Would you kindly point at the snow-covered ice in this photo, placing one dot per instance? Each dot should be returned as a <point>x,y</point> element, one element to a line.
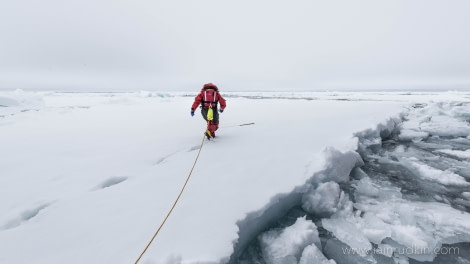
<point>321,177</point>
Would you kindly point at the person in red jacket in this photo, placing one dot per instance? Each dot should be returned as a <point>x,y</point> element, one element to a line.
<point>209,98</point>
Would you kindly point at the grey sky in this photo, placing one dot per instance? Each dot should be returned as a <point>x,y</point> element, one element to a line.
<point>103,45</point>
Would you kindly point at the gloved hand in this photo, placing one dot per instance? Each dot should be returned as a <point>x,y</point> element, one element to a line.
<point>221,110</point>
<point>192,113</point>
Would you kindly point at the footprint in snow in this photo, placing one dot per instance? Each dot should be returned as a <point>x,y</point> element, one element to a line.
<point>163,159</point>
<point>110,182</point>
<point>193,148</point>
<point>25,216</point>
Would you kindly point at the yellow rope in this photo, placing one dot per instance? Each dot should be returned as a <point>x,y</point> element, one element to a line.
<point>174,204</point>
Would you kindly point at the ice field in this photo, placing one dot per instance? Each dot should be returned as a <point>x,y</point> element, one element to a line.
<point>320,177</point>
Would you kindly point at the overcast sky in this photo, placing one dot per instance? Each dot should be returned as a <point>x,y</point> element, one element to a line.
<point>116,45</point>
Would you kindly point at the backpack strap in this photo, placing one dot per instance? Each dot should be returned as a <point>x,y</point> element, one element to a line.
<point>210,103</point>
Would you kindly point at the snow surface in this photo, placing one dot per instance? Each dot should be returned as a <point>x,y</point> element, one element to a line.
<point>88,177</point>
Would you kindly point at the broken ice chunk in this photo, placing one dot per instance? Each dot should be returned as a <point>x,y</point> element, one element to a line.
<point>312,254</point>
<point>286,246</point>
<point>323,200</point>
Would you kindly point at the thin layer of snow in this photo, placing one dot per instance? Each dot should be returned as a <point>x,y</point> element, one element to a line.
<point>436,175</point>
<point>463,154</point>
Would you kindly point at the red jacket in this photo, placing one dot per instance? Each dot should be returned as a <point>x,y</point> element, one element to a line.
<point>201,98</point>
